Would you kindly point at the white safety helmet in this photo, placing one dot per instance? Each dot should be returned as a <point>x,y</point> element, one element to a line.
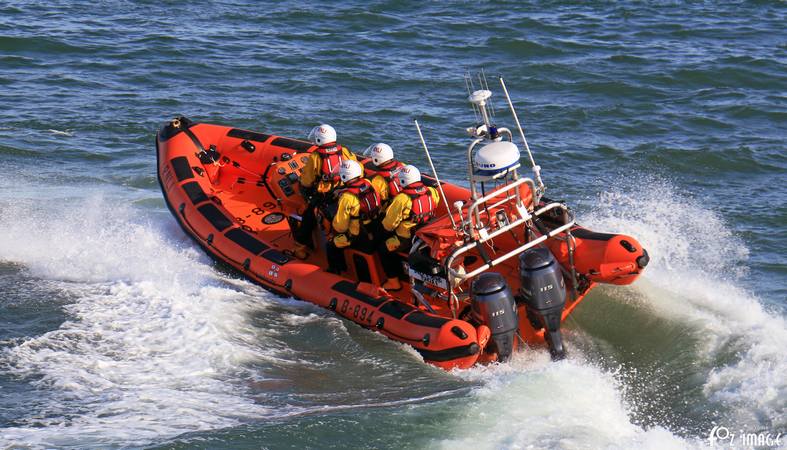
<point>408,175</point>
<point>350,170</point>
<point>323,135</point>
<point>380,153</point>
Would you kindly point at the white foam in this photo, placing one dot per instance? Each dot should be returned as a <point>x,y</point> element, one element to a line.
<point>61,132</point>
<point>696,263</point>
<point>157,341</point>
<point>695,276</point>
<point>532,402</point>
<point>154,345</point>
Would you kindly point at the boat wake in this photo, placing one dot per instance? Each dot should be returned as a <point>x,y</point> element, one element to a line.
<point>694,283</point>
<point>568,404</point>
<point>696,277</point>
<point>154,345</point>
<point>158,342</point>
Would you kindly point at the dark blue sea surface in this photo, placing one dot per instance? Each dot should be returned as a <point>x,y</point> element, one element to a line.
<point>665,121</point>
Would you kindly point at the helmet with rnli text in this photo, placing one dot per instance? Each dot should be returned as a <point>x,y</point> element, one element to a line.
<point>349,170</point>
<point>408,175</point>
<point>323,135</point>
<point>380,153</point>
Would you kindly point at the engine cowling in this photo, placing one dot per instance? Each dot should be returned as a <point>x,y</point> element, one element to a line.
<point>493,305</point>
<point>544,293</point>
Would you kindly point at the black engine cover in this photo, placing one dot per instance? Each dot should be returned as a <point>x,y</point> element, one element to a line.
<point>544,293</point>
<point>493,305</point>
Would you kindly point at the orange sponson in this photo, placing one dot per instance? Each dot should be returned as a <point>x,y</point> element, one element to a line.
<point>233,191</point>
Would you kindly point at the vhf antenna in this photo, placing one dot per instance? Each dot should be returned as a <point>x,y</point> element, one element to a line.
<point>436,178</point>
<point>470,89</point>
<point>536,167</point>
<point>485,85</point>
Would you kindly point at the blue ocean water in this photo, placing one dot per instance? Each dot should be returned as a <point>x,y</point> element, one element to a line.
<point>663,121</point>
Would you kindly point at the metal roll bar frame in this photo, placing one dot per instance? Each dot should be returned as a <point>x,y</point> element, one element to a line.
<point>455,278</point>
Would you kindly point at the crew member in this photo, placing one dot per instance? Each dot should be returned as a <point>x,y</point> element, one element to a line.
<point>318,179</point>
<point>381,171</point>
<point>409,210</point>
<point>358,204</point>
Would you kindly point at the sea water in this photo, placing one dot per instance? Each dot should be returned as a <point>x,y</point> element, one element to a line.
<point>663,121</point>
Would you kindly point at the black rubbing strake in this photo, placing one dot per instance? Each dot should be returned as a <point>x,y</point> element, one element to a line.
<point>250,135</point>
<point>348,288</point>
<point>246,241</point>
<point>215,217</point>
<point>396,309</point>
<point>583,233</point>
<point>294,144</point>
<point>248,146</point>
<point>628,246</point>
<point>182,169</point>
<point>449,353</point>
<point>458,332</point>
<point>276,256</point>
<point>195,192</point>
<point>426,320</point>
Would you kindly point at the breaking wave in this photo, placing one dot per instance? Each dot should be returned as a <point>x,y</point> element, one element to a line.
<point>155,343</point>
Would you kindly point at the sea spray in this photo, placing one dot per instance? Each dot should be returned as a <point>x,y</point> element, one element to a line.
<point>697,276</point>
<point>573,403</point>
<point>153,346</point>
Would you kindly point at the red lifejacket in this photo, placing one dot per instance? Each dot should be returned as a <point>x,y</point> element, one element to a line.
<point>331,158</point>
<point>423,206</point>
<point>367,197</point>
<point>372,171</point>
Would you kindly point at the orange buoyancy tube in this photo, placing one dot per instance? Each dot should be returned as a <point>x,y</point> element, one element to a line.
<point>423,207</point>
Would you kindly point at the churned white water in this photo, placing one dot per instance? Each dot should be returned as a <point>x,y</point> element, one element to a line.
<point>532,402</point>
<point>696,277</point>
<point>153,346</point>
<point>159,343</point>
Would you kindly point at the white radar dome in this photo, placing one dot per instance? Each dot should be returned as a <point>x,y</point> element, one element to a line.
<point>495,159</point>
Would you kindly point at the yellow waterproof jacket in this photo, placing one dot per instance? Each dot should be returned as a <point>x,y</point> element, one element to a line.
<point>398,213</point>
<point>347,215</point>
<point>381,185</point>
<point>313,167</point>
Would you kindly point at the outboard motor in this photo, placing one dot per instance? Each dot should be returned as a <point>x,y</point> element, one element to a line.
<point>544,292</point>
<point>493,305</point>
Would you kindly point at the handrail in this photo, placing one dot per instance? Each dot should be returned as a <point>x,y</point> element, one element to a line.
<point>473,211</point>
<point>455,278</point>
<point>470,165</point>
<point>502,130</point>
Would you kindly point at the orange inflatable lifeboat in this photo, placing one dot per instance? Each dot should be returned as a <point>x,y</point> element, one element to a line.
<point>503,267</point>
